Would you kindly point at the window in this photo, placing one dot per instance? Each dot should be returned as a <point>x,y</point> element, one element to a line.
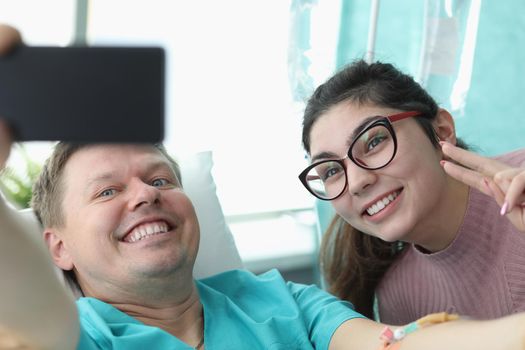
<point>227,91</point>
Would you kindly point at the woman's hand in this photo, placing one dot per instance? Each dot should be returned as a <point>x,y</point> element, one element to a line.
<point>504,183</point>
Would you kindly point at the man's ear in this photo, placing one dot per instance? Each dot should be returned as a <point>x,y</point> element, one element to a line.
<point>57,249</point>
<point>444,126</point>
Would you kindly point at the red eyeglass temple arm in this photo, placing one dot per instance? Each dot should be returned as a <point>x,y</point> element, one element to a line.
<point>403,115</point>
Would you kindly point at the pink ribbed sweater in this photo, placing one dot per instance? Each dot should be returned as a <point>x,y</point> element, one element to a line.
<point>481,274</point>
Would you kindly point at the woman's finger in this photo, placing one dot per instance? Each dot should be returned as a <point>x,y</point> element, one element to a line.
<point>497,193</point>
<point>467,176</point>
<point>484,166</point>
<point>504,178</point>
<point>516,191</point>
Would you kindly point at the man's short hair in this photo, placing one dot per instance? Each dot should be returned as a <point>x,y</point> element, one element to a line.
<point>48,188</point>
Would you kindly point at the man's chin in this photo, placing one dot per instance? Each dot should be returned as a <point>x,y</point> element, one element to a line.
<point>163,269</point>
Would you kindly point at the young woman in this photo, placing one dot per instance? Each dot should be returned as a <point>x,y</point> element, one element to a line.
<point>418,238</point>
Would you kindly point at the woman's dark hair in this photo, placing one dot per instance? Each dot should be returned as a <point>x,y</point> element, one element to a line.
<point>353,262</point>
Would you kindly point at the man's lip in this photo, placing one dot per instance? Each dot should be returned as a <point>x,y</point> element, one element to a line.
<point>143,221</point>
<point>374,201</point>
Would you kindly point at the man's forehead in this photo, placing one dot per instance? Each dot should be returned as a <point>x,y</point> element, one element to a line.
<point>111,158</point>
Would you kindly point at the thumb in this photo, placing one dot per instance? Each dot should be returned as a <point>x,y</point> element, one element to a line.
<point>9,38</point>
<point>5,143</point>
<point>496,192</point>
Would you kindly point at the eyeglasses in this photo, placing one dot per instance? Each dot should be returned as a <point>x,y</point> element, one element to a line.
<point>373,148</point>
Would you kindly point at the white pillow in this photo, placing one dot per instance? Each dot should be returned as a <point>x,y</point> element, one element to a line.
<point>217,250</point>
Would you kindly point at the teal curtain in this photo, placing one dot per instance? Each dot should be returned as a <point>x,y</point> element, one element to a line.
<point>301,83</point>
<point>489,114</point>
<point>398,36</point>
<point>494,118</point>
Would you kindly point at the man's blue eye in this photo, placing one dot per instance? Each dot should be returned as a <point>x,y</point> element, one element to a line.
<point>108,192</point>
<point>159,182</point>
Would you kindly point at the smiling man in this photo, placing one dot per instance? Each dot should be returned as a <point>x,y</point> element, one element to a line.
<point>117,220</point>
<point>116,216</point>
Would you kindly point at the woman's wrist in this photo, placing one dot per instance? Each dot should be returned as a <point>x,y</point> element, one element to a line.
<point>391,337</point>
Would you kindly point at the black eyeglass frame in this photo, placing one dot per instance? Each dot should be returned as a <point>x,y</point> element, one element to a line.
<point>384,121</point>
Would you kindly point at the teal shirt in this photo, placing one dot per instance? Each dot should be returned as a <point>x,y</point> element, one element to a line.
<point>241,311</point>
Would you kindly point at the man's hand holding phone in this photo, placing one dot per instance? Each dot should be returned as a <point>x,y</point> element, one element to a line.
<point>9,38</point>
<point>81,93</point>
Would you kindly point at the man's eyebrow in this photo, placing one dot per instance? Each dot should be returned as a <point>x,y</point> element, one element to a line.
<point>351,138</point>
<point>151,167</point>
<point>99,178</point>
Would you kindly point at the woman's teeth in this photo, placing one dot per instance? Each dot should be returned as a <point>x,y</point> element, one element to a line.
<point>381,204</point>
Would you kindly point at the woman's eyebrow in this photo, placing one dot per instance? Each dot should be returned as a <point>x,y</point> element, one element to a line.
<point>323,155</point>
<point>367,121</point>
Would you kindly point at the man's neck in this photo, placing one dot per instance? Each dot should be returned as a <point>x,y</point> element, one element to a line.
<point>172,304</point>
<point>183,317</point>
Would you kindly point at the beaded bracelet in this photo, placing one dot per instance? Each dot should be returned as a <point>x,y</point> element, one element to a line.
<point>391,338</point>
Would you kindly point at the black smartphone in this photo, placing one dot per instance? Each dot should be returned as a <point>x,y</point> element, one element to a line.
<point>84,94</point>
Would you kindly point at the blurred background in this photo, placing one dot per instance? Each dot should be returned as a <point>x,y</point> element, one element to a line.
<point>239,72</point>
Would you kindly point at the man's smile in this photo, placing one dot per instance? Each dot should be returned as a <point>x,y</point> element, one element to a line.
<point>145,230</point>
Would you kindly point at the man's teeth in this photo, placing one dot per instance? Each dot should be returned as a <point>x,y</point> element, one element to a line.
<point>381,204</point>
<point>145,230</point>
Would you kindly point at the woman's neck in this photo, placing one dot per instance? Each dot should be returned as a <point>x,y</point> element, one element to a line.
<point>440,230</point>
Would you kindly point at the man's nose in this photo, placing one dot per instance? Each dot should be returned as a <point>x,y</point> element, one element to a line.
<point>143,194</point>
<point>358,179</point>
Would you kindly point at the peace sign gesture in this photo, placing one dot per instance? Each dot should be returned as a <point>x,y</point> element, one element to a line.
<point>504,183</point>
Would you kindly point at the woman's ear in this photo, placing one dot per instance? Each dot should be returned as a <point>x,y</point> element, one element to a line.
<point>444,126</point>
<point>58,250</point>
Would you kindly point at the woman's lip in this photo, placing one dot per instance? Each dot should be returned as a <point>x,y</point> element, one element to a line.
<point>378,198</point>
<point>386,211</point>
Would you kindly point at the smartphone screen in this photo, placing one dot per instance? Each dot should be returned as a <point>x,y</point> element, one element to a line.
<point>84,94</point>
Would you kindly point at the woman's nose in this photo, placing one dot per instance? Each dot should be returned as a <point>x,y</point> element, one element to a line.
<point>358,179</point>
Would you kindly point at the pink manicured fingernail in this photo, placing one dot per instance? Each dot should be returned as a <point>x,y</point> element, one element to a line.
<point>442,162</point>
<point>504,209</point>
<point>441,143</point>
